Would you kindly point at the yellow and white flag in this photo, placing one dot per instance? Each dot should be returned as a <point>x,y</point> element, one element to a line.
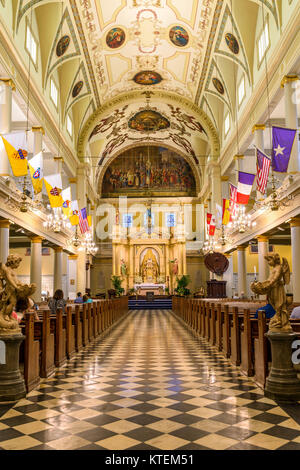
<point>74,219</point>
<point>90,220</point>
<point>53,185</point>
<point>66,206</point>
<point>15,148</point>
<point>36,172</point>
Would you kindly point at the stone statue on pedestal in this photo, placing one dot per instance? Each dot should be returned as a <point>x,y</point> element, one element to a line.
<point>274,288</point>
<point>10,290</point>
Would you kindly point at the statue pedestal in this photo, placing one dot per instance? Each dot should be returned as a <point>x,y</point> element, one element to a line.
<point>282,384</point>
<point>12,385</point>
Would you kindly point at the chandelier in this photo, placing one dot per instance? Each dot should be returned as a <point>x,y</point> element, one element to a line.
<point>278,199</point>
<point>56,220</point>
<point>241,221</point>
<point>210,246</point>
<point>87,244</point>
<point>224,239</point>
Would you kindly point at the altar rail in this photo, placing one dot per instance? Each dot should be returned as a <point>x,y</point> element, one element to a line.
<point>54,339</point>
<point>231,328</point>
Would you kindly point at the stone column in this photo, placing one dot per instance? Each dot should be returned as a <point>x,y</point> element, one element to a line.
<point>73,183</point>
<point>57,284</point>
<point>7,86</point>
<point>242,270</point>
<point>228,277</point>
<point>291,117</point>
<point>88,273</point>
<point>72,289</point>
<point>295,268</point>
<point>263,267</point>
<point>4,240</point>
<point>36,266</point>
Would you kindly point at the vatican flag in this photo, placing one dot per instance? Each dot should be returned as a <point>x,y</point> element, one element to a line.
<point>226,212</point>
<point>66,206</point>
<point>15,146</point>
<point>36,172</point>
<point>74,219</point>
<point>53,185</point>
<point>90,221</point>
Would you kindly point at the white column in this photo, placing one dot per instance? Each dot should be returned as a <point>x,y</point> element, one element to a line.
<point>4,240</point>
<point>291,117</point>
<point>58,251</point>
<point>216,188</point>
<point>228,277</point>
<point>263,267</point>
<point>242,271</point>
<point>88,273</point>
<point>72,261</point>
<point>36,266</point>
<point>295,240</point>
<point>6,88</point>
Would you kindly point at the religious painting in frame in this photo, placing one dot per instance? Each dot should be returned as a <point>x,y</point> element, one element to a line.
<point>115,38</point>
<point>77,89</point>
<point>218,85</point>
<point>148,121</point>
<point>232,43</point>
<point>179,36</point>
<point>141,171</point>
<point>147,77</point>
<point>62,45</point>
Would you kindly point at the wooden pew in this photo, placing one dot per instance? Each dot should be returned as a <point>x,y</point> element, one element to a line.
<point>70,332</point>
<point>31,353</point>
<point>59,327</point>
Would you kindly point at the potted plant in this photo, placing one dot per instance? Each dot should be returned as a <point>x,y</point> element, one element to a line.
<point>182,284</point>
<point>117,284</point>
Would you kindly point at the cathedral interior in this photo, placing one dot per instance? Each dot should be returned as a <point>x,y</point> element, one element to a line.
<point>149,225</point>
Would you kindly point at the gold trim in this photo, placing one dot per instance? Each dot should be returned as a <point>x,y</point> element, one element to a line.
<point>288,79</point>
<point>241,248</point>
<point>258,127</point>
<point>38,129</point>
<point>37,239</point>
<point>58,159</point>
<point>262,238</point>
<point>92,208</point>
<point>72,180</point>
<point>295,222</point>
<point>58,249</point>
<point>237,157</point>
<point>4,223</point>
<point>224,178</point>
<point>8,82</point>
<point>73,256</point>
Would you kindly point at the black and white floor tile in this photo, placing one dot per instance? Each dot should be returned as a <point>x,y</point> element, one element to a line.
<point>150,383</point>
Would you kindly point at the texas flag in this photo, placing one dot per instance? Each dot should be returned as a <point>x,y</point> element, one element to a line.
<point>244,187</point>
<point>283,140</point>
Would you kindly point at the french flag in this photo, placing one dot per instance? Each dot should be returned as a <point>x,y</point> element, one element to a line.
<point>244,187</point>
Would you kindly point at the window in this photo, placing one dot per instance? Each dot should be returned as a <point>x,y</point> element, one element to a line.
<point>263,42</point>
<point>227,124</point>
<point>241,91</point>
<point>69,126</point>
<point>170,219</point>
<point>127,220</point>
<point>53,92</point>
<point>31,44</point>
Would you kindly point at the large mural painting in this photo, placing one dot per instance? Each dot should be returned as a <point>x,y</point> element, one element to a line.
<point>151,170</point>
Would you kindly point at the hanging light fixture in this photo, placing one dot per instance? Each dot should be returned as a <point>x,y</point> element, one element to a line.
<point>241,221</point>
<point>224,238</point>
<point>88,245</point>
<point>210,246</point>
<point>56,221</point>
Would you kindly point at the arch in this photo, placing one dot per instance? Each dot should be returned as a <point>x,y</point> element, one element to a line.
<point>102,170</point>
<point>137,96</point>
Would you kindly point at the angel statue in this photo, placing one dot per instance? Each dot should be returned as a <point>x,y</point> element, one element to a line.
<point>11,289</point>
<point>274,288</point>
<point>123,268</point>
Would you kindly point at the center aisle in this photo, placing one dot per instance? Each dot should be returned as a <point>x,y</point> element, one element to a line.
<point>149,383</point>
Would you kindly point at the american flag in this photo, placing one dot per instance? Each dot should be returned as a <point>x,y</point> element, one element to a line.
<point>263,164</point>
<point>233,198</point>
<point>83,221</point>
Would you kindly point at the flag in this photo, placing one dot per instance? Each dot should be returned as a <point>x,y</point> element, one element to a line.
<point>83,221</point>
<point>226,212</point>
<point>212,226</point>
<point>233,206</point>
<point>53,185</point>
<point>283,140</point>
<point>218,216</point>
<point>15,146</point>
<point>89,219</point>
<point>66,205</point>
<point>208,220</point>
<point>244,187</point>
<point>74,218</point>
<point>36,172</point>
<point>263,164</point>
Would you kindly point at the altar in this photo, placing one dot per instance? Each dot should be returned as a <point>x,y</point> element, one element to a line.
<point>157,289</point>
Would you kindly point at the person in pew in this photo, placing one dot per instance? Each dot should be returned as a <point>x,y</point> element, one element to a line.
<point>24,306</point>
<point>57,301</point>
<point>295,312</point>
<point>79,298</point>
<point>236,296</point>
<point>87,299</point>
<point>270,312</point>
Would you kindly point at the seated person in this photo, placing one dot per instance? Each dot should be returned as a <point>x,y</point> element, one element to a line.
<point>296,312</point>
<point>57,301</point>
<point>270,312</point>
<point>23,306</point>
<point>79,299</point>
<point>236,296</point>
<point>87,299</point>
<point>243,296</point>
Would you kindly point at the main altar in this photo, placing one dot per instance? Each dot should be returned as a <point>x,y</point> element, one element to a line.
<point>149,260</point>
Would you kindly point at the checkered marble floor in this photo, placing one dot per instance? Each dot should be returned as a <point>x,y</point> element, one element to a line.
<point>149,383</point>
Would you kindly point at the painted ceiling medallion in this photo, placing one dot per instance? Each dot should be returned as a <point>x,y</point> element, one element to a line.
<point>232,43</point>
<point>115,38</point>
<point>218,85</point>
<point>77,88</point>
<point>179,36</point>
<point>148,121</point>
<point>147,77</point>
<point>62,45</point>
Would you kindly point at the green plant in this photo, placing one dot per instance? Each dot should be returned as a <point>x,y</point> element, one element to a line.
<point>132,291</point>
<point>182,284</point>
<point>167,291</point>
<point>117,284</point>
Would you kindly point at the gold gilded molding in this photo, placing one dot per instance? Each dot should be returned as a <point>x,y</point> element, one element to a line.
<point>4,223</point>
<point>73,256</point>
<point>38,129</point>
<point>295,222</point>
<point>37,239</point>
<point>288,79</point>
<point>8,82</point>
<point>262,238</point>
<point>258,127</point>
